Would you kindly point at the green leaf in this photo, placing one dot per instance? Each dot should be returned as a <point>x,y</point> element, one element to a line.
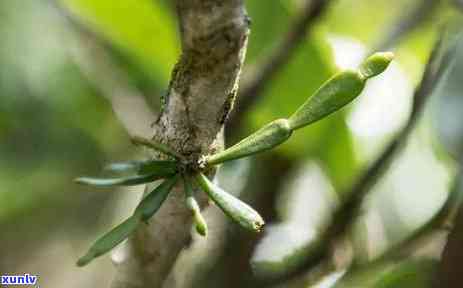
<point>364,19</point>
<point>267,137</point>
<point>338,144</point>
<point>265,33</point>
<point>128,24</point>
<point>237,210</point>
<point>123,181</point>
<point>153,201</point>
<point>162,168</point>
<point>414,273</point>
<point>110,240</point>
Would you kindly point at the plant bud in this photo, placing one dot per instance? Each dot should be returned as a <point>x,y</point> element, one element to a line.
<point>234,208</point>
<point>375,64</point>
<point>200,223</point>
<point>267,137</point>
<point>332,96</point>
<point>338,91</point>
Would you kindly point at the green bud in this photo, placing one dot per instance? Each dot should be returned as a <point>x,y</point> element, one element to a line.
<point>267,137</point>
<point>234,208</point>
<point>110,240</point>
<point>338,91</point>
<point>375,64</point>
<point>190,201</point>
<point>200,223</point>
<point>153,201</point>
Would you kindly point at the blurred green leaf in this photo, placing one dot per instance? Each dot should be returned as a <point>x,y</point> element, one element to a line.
<point>144,28</point>
<point>264,33</point>
<point>415,273</point>
<point>364,19</point>
<point>240,212</point>
<point>49,111</point>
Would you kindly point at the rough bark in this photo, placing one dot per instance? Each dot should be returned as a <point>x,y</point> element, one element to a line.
<point>200,96</point>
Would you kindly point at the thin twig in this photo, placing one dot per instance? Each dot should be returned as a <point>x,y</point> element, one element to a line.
<point>282,54</point>
<point>408,22</point>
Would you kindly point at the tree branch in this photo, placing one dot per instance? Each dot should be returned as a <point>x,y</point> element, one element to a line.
<point>200,96</point>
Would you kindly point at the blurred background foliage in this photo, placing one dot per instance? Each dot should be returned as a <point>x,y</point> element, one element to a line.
<point>78,76</point>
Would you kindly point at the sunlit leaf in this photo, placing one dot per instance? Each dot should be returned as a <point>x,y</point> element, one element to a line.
<point>143,28</point>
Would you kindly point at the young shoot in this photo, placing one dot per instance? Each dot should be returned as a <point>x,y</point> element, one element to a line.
<point>337,92</point>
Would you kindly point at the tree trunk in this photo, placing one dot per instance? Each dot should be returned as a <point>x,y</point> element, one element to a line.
<point>200,96</point>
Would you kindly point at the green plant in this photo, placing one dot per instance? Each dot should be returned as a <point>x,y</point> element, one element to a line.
<point>337,92</point>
